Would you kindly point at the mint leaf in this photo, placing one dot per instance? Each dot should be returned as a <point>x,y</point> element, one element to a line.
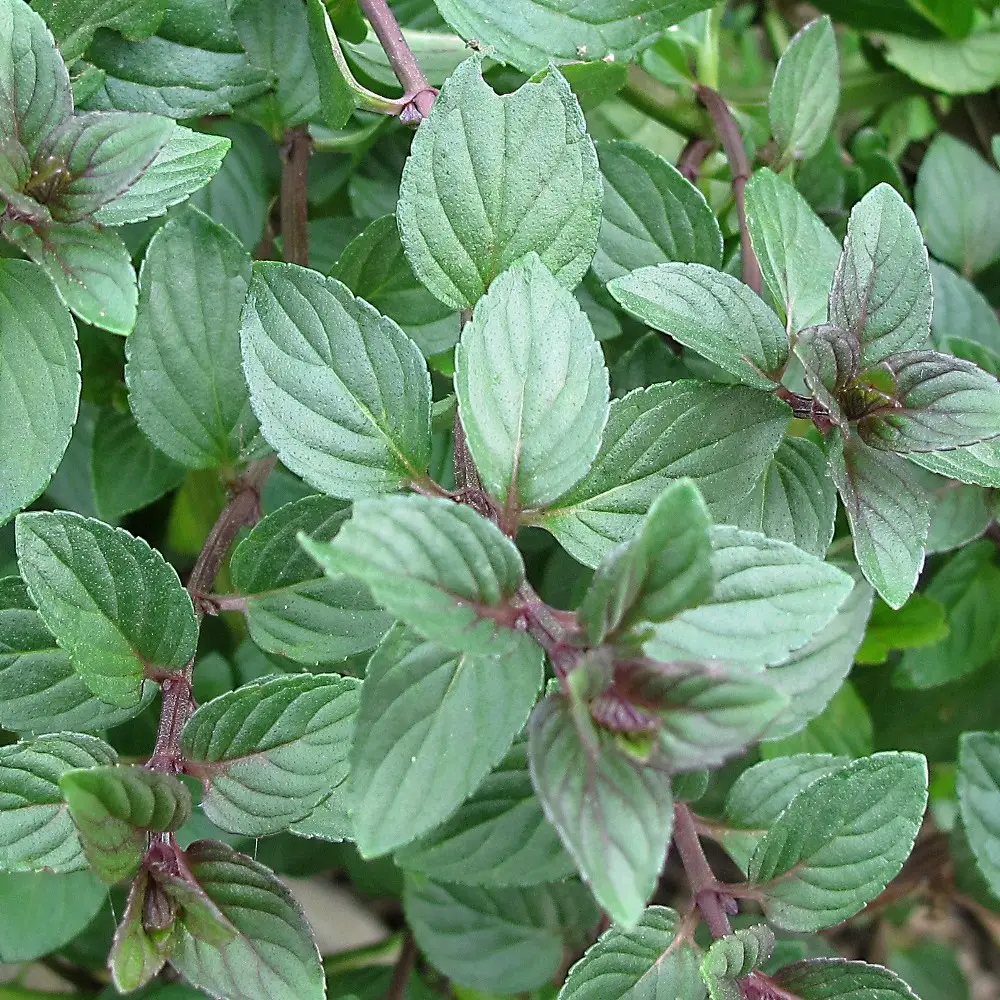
<point>530,182</point>
<point>797,253</point>
<point>978,463</point>
<point>342,394</point>
<point>186,388</point>
<point>418,701</point>
<point>498,837</point>
<point>336,99</point>
<point>270,751</point>
<point>840,841</point>
<point>882,290</point>
<point>532,387</point>
<point>36,831</point>
<point>979,800</point>
<point>839,979</point>
<point>831,358</point>
<point>90,267</point>
<point>646,960</point>
<point>40,692</point>
<point>721,437</point>
<point>137,955</point>
<point>113,603</point>
<point>394,546</point>
<point>711,312</point>
<point>113,808</point>
<point>769,599</point>
<point>652,214</point>
<point>272,952</point>
<point>614,815</point>
<point>293,608</point>
<point>888,513</point>
<point>843,727</point>
<point>39,383</point>
<point>664,569</point>
<point>74,25</point>
<point>186,162</point>
<point>806,91</point>
<point>498,940</point>
<point>961,310</point>
<point>919,622</point>
<point>734,956</point>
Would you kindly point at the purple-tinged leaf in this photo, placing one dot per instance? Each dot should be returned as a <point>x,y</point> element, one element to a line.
<point>831,358</point>
<point>137,954</point>
<point>835,979</point>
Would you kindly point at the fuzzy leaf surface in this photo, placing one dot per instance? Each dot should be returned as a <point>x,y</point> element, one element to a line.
<point>839,979</point>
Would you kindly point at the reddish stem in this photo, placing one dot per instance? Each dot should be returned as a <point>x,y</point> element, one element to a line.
<point>705,886</point>
<point>295,152</point>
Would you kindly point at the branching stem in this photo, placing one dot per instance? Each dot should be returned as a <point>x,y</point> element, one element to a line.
<point>705,886</point>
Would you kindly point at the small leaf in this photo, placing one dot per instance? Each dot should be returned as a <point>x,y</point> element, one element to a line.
<point>530,182</point>
<point>806,91</point>
<point>39,383</point>
<point>272,953</point>
<point>840,841</point>
<point>74,24</point>
<point>734,956</point>
<point>839,979</point>
<point>721,437</point>
<point>648,960</point>
<point>614,815</point>
<point>919,622</point>
<point>393,545</point>
<point>711,312</point>
<point>293,608</point>
<point>663,570</point>
<point>186,388</point>
<point>113,808</point>
<point>831,358</point>
<point>979,800</point>
<point>888,513</point>
<point>342,393</point>
<point>90,267</point>
<point>882,290</point>
<point>113,603</point>
<point>532,387</point>
<point>418,702</point>
<point>136,954</point>
<point>270,751</point>
<point>652,214</point>
<point>498,940</point>
<point>769,599</point>
<point>336,100</point>
<point>498,837</point>
<point>36,831</point>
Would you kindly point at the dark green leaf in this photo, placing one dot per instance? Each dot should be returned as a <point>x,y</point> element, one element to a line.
<point>932,970</point>
<point>838,979</point>
<point>734,956</point>
<point>843,727</point>
<point>919,622</point>
<point>74,24</point>
<point>961,310</point>
<point>979,800</point>
<point>336,100</point>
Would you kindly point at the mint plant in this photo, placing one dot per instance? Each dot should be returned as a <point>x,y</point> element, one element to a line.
<point>537,465</point>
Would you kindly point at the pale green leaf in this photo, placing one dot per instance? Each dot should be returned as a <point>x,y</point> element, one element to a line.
<point>844,727</point>
<point>960,309</point>
<point>919,622</point>
<point>733,957</point>
<point>336,99</point>
<point>967,66</point>
<point>979,800</point>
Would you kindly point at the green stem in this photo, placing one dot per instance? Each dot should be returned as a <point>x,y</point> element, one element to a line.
<point>707,67</point>
<point>663,104</point>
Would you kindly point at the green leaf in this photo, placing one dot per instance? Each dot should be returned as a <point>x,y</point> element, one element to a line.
<point>112,602</point>
<point>270,751</point>
<point>806,91</point>
<point>940,402</point>
<point>840,841</point>
<point>498,837</point>
<point>839,979</point>
<point>90,267</point>
<point>498,940</point>
<point>394,545</point>
<point>797,253</point>
<point>614,815</point>
<point>39,689</point>
<point>978,463</point>
<point>113,807</point>
<point>652,214</point>
<point>734,956</point>
<point>721,437</point>
<point>34,83</point>
<point>529,182</point>
<point>39,383</point>
<point>968,587</point>
<point>374,267</point>
<point>888,513</point>
<point>664,569</point>
<point>882,290</point>
<point>418,702</point>
<point>128,471</point>
<point>769,599</point>
<point>272,954</point>
<point>932,968</point>
<point>293,608</point>
<point>843,727</point>
<point>968,66</point>
<point>186,162</point>
<point>979,800</point>
<point>831,358</point>
<point>532,387</point>
<point>439,52</point>
<point>960,309</point>
<point>919,622</point>
<point>186,387</point>
<point>330,820</point>
<point>650,960</point>
<point>960,514</point>
<point>957,193</point>
<point>74,24</point>
<point>42,912</point>
<point>336,100</point>
<point>794,501</point>
<point>105,154</point>
<point>36,831</point>
<point>529,33</point>
<point>343,395</point>
<point>137,955</point>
